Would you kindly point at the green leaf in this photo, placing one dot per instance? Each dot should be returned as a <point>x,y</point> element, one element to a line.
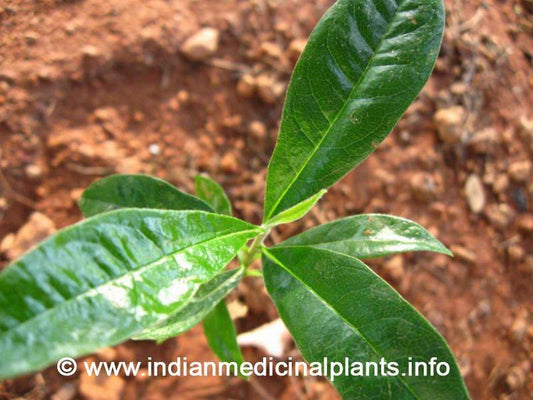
<point>296,212</point>
<point>369,236</point>
<point>205,299</point>
<point>99,282</point>
<point>336,307</point>
<point>213,194</point>
<point>136,191</point>
<point>364,64</point>
<point>222,336</point>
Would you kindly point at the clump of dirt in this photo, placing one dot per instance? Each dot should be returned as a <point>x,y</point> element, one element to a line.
<point>90,88</point>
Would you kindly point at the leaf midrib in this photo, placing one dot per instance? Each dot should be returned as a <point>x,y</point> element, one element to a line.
<point>332,308</point>
<point>142,268</point>
<point>334,122</point>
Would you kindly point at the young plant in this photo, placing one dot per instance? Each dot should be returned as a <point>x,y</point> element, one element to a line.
<point>149,261</point>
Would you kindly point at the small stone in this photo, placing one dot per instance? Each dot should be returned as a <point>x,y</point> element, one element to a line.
<point>483,141</point>
<point>518,329</point>
<point>500,215</point>
<point>257,129</point>
<point>516,378</point>
<point>464,254</point>
<point>71,27</point>
<point>459,88</point>
<point>105,114</point>
<point>90,51</point>
<point>272,50</point>
<point>38,227</point>
<point>75,194</point>
<point>107,354</point>
<point>246,86</point>
<point>527,130</point>
<point>273,338</point>
<point>515,252</point>
<point>183,96</point>
<point>450,124</point>
<point>237,309</point>
<point>101,387</point>
<point>296,47</point>
<point>475,194</point>
<point>67,391</point>
<point>201,45</point>
<point>500,184</point>
<point>423,187</point>
<point>7,242</point>
<point>526,223</point>
<point>269,89</point>
<point>31,37</point>
<point>519,171</point>
<point>395,267</point>
<point>229,163</point>
<point>33,171</point>
<point>154,149</point>
<point>138,116</point>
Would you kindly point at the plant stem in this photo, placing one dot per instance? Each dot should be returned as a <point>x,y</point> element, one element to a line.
<point>254,249</point>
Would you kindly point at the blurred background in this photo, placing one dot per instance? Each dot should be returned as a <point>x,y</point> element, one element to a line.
<point>177,87</point>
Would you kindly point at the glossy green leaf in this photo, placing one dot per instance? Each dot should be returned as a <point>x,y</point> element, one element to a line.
<point>221,335</point>
<point>136,191</point>
<point>101,281</point>
<point>213,194</point>
<point>205,299</point>
<point>369,236</point>
<point>364,64</point>
<point>296,212</point>
<point>336,307</point>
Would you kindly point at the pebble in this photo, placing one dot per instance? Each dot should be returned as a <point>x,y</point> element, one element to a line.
<point>257,129</point>
<point>154,149</point>
<point>90,51</point>
<point>519,170</point>
<point>483,141</point>
<point>395,267</point>
<point>296,47</point>
<point>31,37</point>
<point>269,89</point>
<point>201,45</point>
<point>515,252</point>
<point>271,49</point>
<point>33,171</point>
<point>37,228</point>
<point>450,123</point>
<point>229,163</point>
<point>107,354</point>
<point>516,378</point>
<point>67,391</point>
<point>475,194</point>
<point>101,387</point>
<point>462,253</point>
<point>526,223</point>
<point>75,194</point>
<point>500,184</point>
<point>423,186</point>
<point>500,215</point>
<point>518,329</point>
<point>246,86</point>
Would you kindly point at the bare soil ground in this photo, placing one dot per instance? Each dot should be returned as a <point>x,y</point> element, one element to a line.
<point>89,88</point>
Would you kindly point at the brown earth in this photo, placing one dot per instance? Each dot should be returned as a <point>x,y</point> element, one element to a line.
<point>89,88</point>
